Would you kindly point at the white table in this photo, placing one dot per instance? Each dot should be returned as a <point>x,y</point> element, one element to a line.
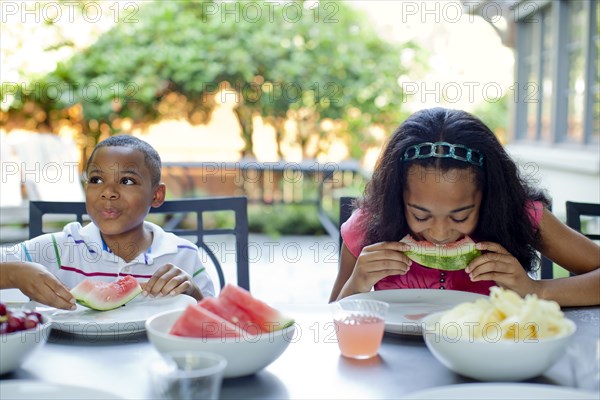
<point>311,367</point>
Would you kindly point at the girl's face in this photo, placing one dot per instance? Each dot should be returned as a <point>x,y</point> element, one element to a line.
<point>119,191</point>
<point>441,207</point>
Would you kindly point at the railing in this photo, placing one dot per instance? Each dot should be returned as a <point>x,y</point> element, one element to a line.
<point>307,182</point>
<point>281,182</point>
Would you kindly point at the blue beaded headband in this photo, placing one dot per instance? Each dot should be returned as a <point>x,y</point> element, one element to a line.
<point>444,150</point>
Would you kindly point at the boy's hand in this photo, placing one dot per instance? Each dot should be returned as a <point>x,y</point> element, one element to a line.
<point>171,280</point>
<point>41,286</point>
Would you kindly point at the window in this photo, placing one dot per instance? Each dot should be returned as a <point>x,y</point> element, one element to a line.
<point>595,73</point>
<point>576,70</point>
<point>558,43</point>
<point>529,89</point>
<point>545,118</point>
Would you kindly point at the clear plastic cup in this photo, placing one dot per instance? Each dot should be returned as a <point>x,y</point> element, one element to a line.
<point>188,375</point>
<point>359,326</point>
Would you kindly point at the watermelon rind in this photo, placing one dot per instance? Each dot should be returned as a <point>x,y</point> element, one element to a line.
<point>105,306</point>
<point>289,322</point>
<point>452,257</point>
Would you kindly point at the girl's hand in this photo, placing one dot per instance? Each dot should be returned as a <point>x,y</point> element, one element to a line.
<point>497,264</point>
<point>374,263</point>
<point>170,280</point>
<point>37,283</point>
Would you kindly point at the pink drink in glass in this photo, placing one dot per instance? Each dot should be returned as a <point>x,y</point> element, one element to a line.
<point>359,335</point>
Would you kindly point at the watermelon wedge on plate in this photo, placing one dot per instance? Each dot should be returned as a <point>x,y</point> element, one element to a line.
<point>451,257</point>
<point>103,296</point>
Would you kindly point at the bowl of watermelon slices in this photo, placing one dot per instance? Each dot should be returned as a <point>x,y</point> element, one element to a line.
<point>249,333</point>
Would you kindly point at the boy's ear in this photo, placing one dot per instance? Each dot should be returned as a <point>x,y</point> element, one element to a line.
<point>159,195</point>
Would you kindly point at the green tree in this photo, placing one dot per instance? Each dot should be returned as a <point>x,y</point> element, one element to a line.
<point>307,62</point>
<point>495,114</point>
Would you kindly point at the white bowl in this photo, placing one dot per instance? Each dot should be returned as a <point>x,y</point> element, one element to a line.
<point>245,355</point>
<point>16,347</point>
<point>494,359</point>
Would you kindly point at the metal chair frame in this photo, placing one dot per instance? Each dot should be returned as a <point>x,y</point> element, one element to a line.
<point>346,208</point>
<point>577,210</point>
<point>239,205</point>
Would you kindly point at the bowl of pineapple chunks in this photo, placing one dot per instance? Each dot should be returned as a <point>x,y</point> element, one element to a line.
<point>502,338</point>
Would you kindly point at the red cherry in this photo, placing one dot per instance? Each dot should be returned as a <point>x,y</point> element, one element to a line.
<point>39,317</point>
<point>30,322</point>
<point>14,324</point>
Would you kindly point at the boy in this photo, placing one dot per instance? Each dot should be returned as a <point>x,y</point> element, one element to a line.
<point>122,183</point>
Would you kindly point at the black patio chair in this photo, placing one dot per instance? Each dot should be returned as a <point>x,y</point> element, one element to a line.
<point>575,212</point>
<point>346,208</point>
<point>175,211</point>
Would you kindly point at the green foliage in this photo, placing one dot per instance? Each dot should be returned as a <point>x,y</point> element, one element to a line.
<point>323,62</point>
<point>495,115</point>
<point>559,272</point>
<point>284,219</point>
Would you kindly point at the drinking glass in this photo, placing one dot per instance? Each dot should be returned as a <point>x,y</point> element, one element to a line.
<point>188,375</point>
<point>359,326</point>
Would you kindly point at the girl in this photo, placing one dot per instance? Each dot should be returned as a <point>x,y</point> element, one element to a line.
<point>442,176</point>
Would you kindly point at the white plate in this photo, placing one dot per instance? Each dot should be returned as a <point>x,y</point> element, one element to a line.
<point>29,389</point>
<point>129,318</point>
<point>499,391</point>
<point>409,306</point>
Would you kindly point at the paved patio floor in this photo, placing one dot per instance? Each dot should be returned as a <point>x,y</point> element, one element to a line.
<point>288,269</point>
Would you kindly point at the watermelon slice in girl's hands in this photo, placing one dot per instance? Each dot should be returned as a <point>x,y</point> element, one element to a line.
<point>104,296</point>
<point>450,257</point>
<point>197,321</point>
<point>260,313</point>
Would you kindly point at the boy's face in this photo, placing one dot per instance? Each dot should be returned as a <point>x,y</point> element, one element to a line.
<point>441,207</point>
<point>119,192</point>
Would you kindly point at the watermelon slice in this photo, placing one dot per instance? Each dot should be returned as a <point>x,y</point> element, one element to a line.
<point>197,321</point>
<point>104,296</point>
<point>260,313</point>
<point>450,257</point>
<point>232,313</point>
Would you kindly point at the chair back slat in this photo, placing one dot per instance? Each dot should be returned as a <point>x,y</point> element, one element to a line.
<point>346,208</point>
<point>576,210</point>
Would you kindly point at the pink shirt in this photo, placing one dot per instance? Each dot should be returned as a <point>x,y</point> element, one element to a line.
<point>420,277</point>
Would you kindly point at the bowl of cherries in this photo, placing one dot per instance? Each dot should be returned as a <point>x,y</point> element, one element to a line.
<point>21,332</point>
